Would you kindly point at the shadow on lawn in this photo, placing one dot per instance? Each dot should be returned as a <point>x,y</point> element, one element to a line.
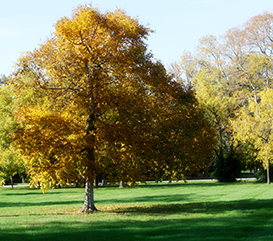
<point>30,193</point>
<point>149,198</point>
<point>252,221</point>
<point>35,191</point>
<point>42,204</point>
<point>245,206</point>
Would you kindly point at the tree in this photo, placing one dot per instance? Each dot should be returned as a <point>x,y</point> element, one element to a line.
<point>94,101</point>
<point>10,161</point>
<point>254,124</point>
<point>10,165</point>
<point>255,81</point>
<point>207,75</point>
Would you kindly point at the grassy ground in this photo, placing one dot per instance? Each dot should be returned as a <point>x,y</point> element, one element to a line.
<point>193,211</point>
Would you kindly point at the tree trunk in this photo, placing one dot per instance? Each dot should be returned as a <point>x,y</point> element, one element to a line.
<point>121,184</point>
<point>221,152</point>
<point>89,206</point>
<point>268,172</point>
<point>267,163</point>
<point>11,181</point>
<point>96,182</point>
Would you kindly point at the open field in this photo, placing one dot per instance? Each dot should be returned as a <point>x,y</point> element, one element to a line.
<point>194,211</point>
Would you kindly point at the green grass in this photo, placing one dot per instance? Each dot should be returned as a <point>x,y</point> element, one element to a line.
<point>194,211</point>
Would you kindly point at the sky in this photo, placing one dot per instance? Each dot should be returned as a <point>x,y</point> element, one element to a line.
<point>178,24</point>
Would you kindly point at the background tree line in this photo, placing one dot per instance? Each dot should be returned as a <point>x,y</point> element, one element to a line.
<point>232,77</point>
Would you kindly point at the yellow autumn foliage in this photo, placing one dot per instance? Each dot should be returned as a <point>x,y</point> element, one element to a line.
<point>254,125</point>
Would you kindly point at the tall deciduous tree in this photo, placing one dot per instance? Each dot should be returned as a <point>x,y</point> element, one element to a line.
<point>10,162</point>
<point>206,73</point>
<point>254,125</point>
<point>94,101</point>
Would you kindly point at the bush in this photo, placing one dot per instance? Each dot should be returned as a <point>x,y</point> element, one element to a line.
<point>227,169</point>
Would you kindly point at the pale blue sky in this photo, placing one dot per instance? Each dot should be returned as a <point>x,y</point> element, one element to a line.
<point>179,24</point>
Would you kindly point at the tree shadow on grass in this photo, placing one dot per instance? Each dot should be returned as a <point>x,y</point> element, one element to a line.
<point>148,199</point>
<point>245,206</point>
<point>29,193</point>
<point>140,199</point>
<point>35,191</point>
<point>42,204</point>
<point>252,221</point>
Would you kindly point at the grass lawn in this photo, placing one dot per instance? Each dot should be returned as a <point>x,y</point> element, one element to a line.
<point>194,211</point>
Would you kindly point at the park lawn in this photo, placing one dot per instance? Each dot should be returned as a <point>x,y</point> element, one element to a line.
<point>194,211</point>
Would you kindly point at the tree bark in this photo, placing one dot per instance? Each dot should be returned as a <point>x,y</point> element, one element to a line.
<point>121,184</point>
<point>89,205</point>
<point>221,152</point>
<point>267,164</point>
<point>268,172</point>
<point>11,182</point>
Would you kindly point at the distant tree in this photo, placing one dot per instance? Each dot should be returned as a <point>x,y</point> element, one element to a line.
<point>207,78</point>
<point>10,165</point>
<point>254,123</point>
<point>10,161</point>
